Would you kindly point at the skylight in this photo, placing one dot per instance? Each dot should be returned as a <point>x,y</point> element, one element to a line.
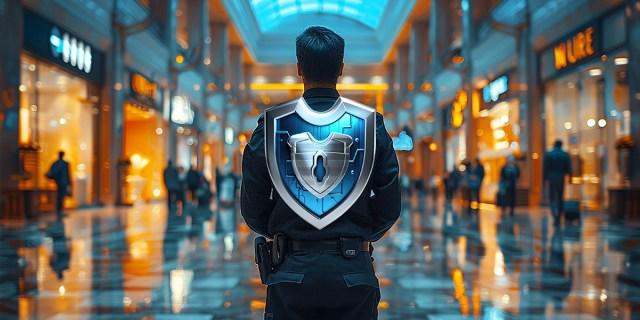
<point>269,12</point>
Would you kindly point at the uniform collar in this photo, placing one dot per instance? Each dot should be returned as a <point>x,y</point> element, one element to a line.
<point>321,92</point>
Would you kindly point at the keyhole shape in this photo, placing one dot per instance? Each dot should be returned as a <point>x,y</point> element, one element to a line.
<point>320,171</point>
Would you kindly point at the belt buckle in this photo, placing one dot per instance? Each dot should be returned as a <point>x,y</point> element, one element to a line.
<point>350,247</point>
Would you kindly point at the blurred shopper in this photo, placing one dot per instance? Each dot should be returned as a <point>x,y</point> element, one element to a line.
<point>555,167</point>
<point>59,173</point>
<point>451,182</point>
<point>476,175</point>
<point>204,195</point>
<point>193,182</point>
<point>172,184</point>
<point>507,189</point>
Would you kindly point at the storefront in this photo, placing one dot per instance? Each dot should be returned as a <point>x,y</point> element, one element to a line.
<point>497,130</point>
<point>144,140</point>
<point>586,102</point>
<point>61,77</point>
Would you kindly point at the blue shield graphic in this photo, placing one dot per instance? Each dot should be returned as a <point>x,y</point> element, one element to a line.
<point>320,162</point>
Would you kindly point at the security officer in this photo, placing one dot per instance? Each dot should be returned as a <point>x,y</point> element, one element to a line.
<point>317,279</point>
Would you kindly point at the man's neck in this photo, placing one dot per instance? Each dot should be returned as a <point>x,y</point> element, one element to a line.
<point>308,86</point>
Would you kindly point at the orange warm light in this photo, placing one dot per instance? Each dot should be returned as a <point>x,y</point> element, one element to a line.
<point>340,86</point>
<point>179,59</point>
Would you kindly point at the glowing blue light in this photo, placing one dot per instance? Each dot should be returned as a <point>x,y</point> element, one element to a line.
<point>403,142</point>
<point>269,13</point>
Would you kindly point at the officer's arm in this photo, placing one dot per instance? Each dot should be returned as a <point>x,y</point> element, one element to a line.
<point>256,201</point>
<point>385,206</point>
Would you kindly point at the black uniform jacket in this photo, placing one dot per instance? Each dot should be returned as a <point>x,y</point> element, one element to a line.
<point>369,217</point>
<point>556,165</point>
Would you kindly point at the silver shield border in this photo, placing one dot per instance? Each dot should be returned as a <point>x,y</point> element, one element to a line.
<point>301,107</point>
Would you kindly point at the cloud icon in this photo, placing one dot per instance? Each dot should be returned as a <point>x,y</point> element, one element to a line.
<point>402,142</point>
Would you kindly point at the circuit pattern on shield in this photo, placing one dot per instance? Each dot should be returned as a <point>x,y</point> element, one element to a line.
<point>293,124</point>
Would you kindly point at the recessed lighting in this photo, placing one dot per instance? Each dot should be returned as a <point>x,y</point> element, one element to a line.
<point>621,61</point>
<point>568,125</point>
<point>602,123</point>
<point>595,72</point>
<point>591,123</point>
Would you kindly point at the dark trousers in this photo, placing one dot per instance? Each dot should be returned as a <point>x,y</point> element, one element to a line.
<point>510,201</point>
<point>172,197</point>
<point>474,195</point>
<point>556,199</point>
<point>62,192</point>
<point>323,286</point>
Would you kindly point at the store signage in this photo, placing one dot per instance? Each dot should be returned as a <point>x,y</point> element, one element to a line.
<point>142,86</point>
<point>574,49</point>
<point>492,92</point>
<point>46,40</point>
<point>71,50</point>
<point>182,112</point>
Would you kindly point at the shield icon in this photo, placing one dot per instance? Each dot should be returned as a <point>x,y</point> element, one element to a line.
<point>320,162</point>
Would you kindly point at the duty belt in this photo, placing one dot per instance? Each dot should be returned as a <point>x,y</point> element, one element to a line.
<point>329,246</point>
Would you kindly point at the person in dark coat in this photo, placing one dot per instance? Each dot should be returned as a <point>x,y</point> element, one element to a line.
<point>556,166</point>
<point>508,180</point>
<point>476,175</point>
<point>193,182</point>
<point>322,283</point>
<point>172,184</point>
<point>59,172</point>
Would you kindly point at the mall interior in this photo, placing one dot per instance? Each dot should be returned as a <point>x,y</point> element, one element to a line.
<point>124,86</point>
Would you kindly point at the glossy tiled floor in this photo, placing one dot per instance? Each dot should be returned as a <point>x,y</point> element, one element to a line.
<point>437,263</point>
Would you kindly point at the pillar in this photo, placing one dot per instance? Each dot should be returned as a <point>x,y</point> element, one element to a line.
<point>632,12</point>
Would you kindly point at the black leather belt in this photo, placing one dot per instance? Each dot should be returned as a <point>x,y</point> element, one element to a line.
<point>328,246</point>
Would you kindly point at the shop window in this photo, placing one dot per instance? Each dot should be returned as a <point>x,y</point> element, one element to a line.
<point>588,110</point>
<point>56,115</point>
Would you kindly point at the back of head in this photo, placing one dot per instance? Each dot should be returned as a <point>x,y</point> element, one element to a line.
<point>558,144</point>
<point>61,154</point>
<point>320,53</point>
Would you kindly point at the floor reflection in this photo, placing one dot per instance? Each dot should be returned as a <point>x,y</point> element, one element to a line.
<point>438,262</point>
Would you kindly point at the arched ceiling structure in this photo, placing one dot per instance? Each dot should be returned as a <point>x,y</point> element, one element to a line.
<point>269,27</point>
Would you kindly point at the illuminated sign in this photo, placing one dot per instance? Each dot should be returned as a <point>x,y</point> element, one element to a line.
<point>492,92</point>
<point>142,86</point>
<point>182,112</point>
<point>457,107</point>
<point>71,50</point>
<point>577,47</point>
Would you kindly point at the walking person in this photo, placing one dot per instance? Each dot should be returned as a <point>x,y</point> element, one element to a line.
<point>323,270</point>
<point>476,175</point>
<point>507,189</point>
<point>193,182</point>
<point>556,166</point>
<point>59,173</point>
<point>172,184</point>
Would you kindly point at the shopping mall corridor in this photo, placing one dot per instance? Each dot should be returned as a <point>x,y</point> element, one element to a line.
<point>438,262</point>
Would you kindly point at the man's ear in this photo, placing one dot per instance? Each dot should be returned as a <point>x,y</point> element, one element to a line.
<point>299,69</point>
<point>341,67</point>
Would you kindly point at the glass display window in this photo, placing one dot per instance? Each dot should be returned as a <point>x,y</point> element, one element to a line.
<point>56,114</point>
<point>588,110</point>
<point>144,147</point>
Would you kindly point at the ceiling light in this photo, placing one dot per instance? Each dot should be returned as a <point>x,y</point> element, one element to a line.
<point>591,123</point>
<point>602,123</point>
<point>595,72</point>
<point>568,125</point>
<point>377,80</point>
<point>289,80</point>
<point>621,61</point>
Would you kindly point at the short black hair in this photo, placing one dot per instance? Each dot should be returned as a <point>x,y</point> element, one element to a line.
<point>320,53</point>
<point>60,154</point>
<point>558,144</point>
